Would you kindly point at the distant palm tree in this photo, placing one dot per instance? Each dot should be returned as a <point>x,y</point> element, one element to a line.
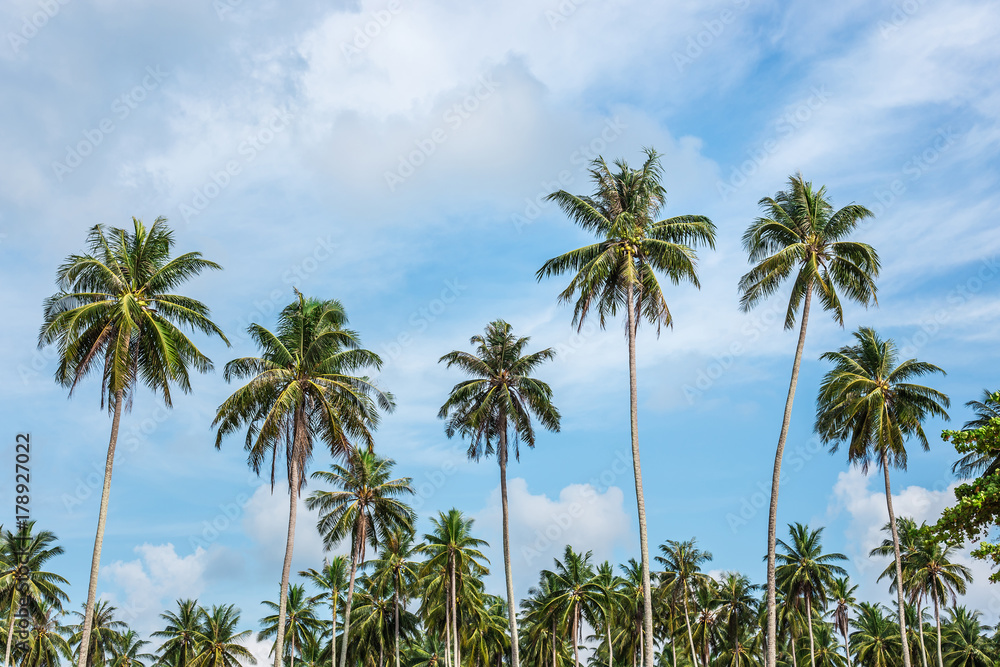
<point>365,505</point>
<point>499,400</point>
<point>842,595</point>
<point>47,645</point>
<point>181,633</point>
<point>105,634</point>
<point>612,601</point>
<point>23,581</point>
<point>867,399</point>
<point>300,621</point>
<point>301,388</point>
<point>451,546</point>
<point>128,651</point>
<point>875,643</point>
<point>619,273</point>
<point>114,315</point>
<point>965,644</point>
<point>800,233</point>
<point>682,562</point>
<point>824,653</point>
<point>396,570</point>
<point>736,604</point>
<point>807,573</point>
<point>220,642</point>
<point>332,580</point>
<point>975,463</point>
<point>576,594</point>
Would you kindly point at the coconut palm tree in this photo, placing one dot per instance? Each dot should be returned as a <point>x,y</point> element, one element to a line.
<point>806,573</point>
<point>24,583</point>
<point>452,548</point>
<point>47,645</point>
<point>800,233</point>
<point>128,651</point>
<point>180,634</point>
<point>114,315</point>
<point>300,621</point>
<point>332,580</point>
<point>867,399</point>
<point>575,594</point>
<point>220,643</point>
<point>497,402</point>
<point>302,387</point>
<point>875,643</point>
<point>976,463</point>
<point>619,272</point>
<point>966,645</point>
<point>824,652</point>
<point>682,562</point>
<point>395,570</point>
<point>736,606</point>
<point>612,601</point>
<point>105,634</point>
<point>365,506</point>
<point>842,595</point>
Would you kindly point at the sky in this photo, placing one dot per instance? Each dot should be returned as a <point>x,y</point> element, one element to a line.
<point>396,155</point>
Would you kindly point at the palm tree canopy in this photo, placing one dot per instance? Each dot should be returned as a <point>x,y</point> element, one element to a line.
<point>804,570</point>
<point>115,314</point>
<point>800,232</point>
<point>633,244</point>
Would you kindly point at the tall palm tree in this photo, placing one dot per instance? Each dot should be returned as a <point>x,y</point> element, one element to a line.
<point>396,570</point>
<point>800,233</point>
<point>24,583</point>
<point>805,572</point>
<point>619,273</point>
<point>300,620</point>
<point>180,634</point>
<point>842,595</point>
<point>114,315</point>
<point>364,506</point>
<point>868,400</point>
<point>301,388</point>
<point>975,463</point>
<point>452,547</point>
<point>332,580</point>
<point>497,401</point>
<point>612,600</point>
<point>910,538</point>
<point>220,642</point>
<point>875,643</point>
<point>576,594</point>
<point>682,562</point>
<point>736,605</point>
<point>105,634</point>
<point>824,652</point>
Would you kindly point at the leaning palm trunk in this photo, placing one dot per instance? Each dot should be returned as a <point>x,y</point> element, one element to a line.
<point>809,622</point>
<point>88,615</point>
<point>647,599</point>
<point>772,519</point>
<point>355,555</point>
<point>937,622</point>
<point>293,495</point>
<point>899,566</point>
<point>511,614</point>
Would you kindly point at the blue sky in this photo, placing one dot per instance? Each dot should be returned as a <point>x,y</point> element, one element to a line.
<point>394,155</point>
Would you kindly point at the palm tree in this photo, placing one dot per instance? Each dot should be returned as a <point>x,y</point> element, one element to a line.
<point>576,594</point>
<point>220,643</point>
<point>619,272</point>
<point>501,396</point>
<point>180,634</point>
<point>332,580</point>
<point>966,645</point>
<point>397,571</point>
<point>824,651</point>
<point>300,389</point>
<point>105,634</point>
<point>113,314</point>
<point>736,605</point>
<point>300,620</point>
<point>127,651</point>
<point>365,506</point>
<point>612,601</point>
<point>805,572</point>
<point>975,463</point>
<point>23,581</point>
<point>876,641</point>
<point>682,562</point>
<point>799,232</point>
<point>866,399</point>
<point>452,547</point>
<point>842,595</point>
<point>47,645</point>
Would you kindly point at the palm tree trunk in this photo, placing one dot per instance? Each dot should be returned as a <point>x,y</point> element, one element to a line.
<point>611,650</point>
<point>293,495</point>
<point>772,518</point>
<point>847,646</point>
<point>511,603</point>
<point>937,622</point>
<point>673,635</point>
<point>573,633</point>
<point>292,653</point>
<point>454,615</point>
<point>795,661</point>
<point>687,621</point>
<point>899,564</point>
<point>920,624</point>
<point>809,622</point>
<point>647,596</point>
<point>10,623</point>
<point>355,552</point>
<point>95,562</point>
<point>333,639</point>
<point>447,627</point>
<point>554,642</point>
<point>396,604</point>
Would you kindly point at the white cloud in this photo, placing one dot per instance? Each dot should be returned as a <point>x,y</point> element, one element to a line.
<point>266,524</point>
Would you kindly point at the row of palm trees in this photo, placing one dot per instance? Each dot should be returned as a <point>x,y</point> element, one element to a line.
<point>425,605</point>
<point>116,315</point>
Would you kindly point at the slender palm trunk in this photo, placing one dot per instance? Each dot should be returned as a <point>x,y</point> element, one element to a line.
<point>355,556</point>
<point>611,650</point>
<point>454,615</point>
<point>573,633</point>
<point>899,565</point>
<point>554,641</point>
<point>396,604</point>
<point>511,603</point>
<point>847,646</point>
<point>687,621</point>
<point>673,636</point>
<point>809,622</point>
<point>447,627</point>
<point>10,623</point>
<point>292,653</point>
<point>795,661</point>
<point>95,562</point>
<point>920,624</point>
<point>937,622</point>
<point>772,518</point>
<point>647,597</point>
<point>293,502</point>
<point>333,639</point>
